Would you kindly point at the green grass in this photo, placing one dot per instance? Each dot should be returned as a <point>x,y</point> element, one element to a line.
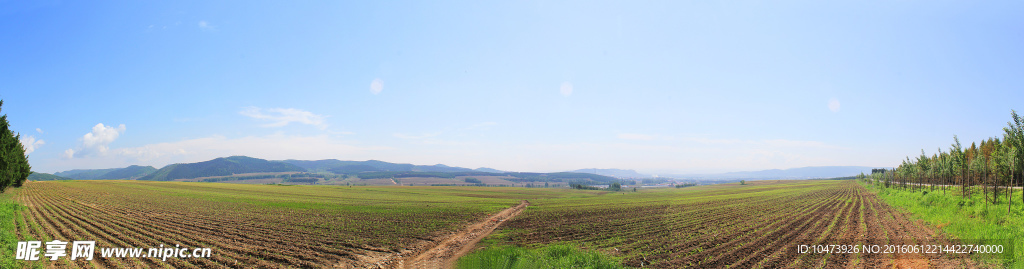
<point>552,256</point>
<point>969,218</point>
<point>8,239</point>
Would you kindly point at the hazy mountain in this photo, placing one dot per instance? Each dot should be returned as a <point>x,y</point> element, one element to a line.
<point>353,168</point>
<point>130,172</point>
<point>619,173</point>
<point>792,173</point>
<point>488,170</point>
<point>85,173</point>
<point>439,168</point>
<point>316,165</point>
<point>348,167</point>
<point>221,167</point>
<point>37,176</point>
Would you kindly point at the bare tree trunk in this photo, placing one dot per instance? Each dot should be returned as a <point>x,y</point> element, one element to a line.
<point>984,190</point>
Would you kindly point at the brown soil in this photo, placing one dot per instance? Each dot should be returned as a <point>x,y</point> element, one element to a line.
<point>444,254</point>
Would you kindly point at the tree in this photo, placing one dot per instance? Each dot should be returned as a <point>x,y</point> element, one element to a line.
<point>1000,167</point>
<point>1014,134</point>
<point>743,182</point>
<point>980,170</point>
<point>957,154</point>
<point>615,186</point>
<point>14,167</point>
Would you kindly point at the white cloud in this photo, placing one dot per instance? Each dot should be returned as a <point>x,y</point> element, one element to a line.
<point>279,117</point>
<point>68,154</point>
<point>833,105</point>
<point>376,86</point>
<point>205,26</point>
<point>635,137</point>
<point>95,142</point>
<point>566,89</point>
<point>40,131</point>
<point>31,144</point>
<point>101,136</point>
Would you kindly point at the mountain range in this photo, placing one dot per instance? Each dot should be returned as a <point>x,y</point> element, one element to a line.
<point>227,166</point>
<point>130,172</point>
<point>619,173</point>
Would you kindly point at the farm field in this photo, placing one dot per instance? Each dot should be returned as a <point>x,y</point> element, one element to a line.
<point>253,225</point>
<point>755,225</point>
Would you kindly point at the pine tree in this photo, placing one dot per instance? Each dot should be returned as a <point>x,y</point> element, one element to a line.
<point>14,167</point>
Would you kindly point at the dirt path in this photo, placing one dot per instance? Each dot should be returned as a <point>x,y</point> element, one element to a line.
<point>450,249</point>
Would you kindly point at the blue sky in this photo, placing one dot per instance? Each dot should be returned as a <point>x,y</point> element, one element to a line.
<point>661,87</point>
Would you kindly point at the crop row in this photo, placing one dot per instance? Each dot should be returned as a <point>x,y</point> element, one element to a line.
<point>745,226</point>
<point>242,231</point>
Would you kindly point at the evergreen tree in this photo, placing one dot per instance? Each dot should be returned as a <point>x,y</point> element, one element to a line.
<point>14,167</point>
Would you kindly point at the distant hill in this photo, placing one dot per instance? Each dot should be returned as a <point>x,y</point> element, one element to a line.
<point>85,173</point>
<point>619,173</point>
<point>130,172</point>
<point>37,176</point>
<point>792,173</point>
<point>349,167</point>
<point>439,168</point>
<point>221,167</point>
<point>488,170</point>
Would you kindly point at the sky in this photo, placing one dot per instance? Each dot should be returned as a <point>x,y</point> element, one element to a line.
<point>656,86</point>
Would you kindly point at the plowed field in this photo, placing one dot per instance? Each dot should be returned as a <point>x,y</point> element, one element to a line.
<point>755,225</point>
<point>735,226</point>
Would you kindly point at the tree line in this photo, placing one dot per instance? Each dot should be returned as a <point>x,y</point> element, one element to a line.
<point>992,167</point>
<point>14,167</point>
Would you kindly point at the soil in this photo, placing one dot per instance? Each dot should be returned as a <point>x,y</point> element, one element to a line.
<point>451,248</point>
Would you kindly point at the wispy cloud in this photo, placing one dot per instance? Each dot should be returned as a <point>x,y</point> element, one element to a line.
<point>206,26</point>
<point>833,105</point>
<point>40,131</point>
<point>280,117</point>
<point>376,86</point>
<point>565,89</point>
<point>96,142</point>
